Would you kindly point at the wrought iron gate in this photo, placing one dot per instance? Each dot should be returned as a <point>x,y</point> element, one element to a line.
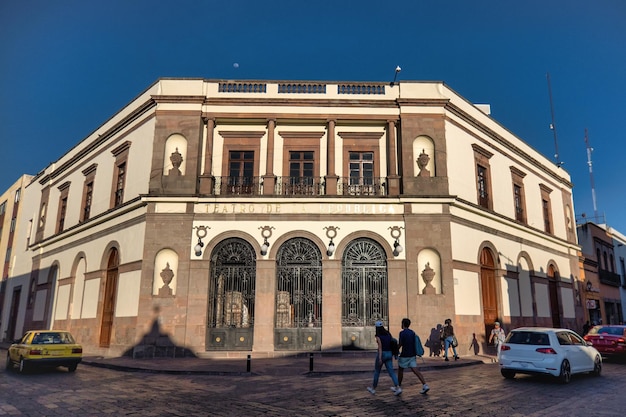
<point>364,293</point>
<point>298,296</point>
<point>231,296</point>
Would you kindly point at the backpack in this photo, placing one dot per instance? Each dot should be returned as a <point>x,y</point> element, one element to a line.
<point>395,349</point>
<point>419,349</point>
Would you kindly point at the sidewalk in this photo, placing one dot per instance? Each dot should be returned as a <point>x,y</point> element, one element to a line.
<point>316,364</point>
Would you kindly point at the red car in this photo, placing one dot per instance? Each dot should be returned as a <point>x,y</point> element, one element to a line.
<point>609,340</point>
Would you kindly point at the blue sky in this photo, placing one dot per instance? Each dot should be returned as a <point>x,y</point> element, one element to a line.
<point>69,65</point>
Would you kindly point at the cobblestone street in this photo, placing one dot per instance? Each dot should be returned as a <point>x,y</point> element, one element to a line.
<point>476,390</point>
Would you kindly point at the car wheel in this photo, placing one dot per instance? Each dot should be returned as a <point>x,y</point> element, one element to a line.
<point>507,374</point>
<point>566,372</point>
<point>23,365</point>
<point>9,363</point>
<point>597,366</point>
<point>72,367</point>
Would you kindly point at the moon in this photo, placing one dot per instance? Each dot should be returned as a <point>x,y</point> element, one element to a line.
<point>236,65</point>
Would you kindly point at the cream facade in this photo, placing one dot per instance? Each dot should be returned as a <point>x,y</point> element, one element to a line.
<point>10,210</point>
<point>228,217</point>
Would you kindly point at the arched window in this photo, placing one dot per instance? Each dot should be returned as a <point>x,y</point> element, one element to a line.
<point>364,284</point>
<point>231,296</point>
<point>299,284</point>
<point>232,284</point>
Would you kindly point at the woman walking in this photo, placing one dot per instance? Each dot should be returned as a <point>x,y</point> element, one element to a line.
<point>448,337</point>
<point>384,356</point>
<point>498,336</point>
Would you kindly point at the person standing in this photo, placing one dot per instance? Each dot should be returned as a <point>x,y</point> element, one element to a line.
<point>448,337</point>
<point>384,356</point>
<point>406,360</point>
<point>586,327</point>
<point>498,336</point>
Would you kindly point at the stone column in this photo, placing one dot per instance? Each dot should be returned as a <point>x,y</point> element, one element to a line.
<point>331,305</point>
<point>264,305</point>
<point>393,180</point>
<point>206,178</point>
<point>331,176</point>
<point>269,179</point>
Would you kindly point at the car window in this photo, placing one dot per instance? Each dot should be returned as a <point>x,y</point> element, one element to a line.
<point>618,331</point>
<point>528,338</point>
<point>575,339</point>
<point>66,338</point>
<point>563,338</point>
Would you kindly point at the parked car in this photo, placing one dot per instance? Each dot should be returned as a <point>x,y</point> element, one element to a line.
<point>609,340</point>
<point>540,350</point>
<point>44,348</point>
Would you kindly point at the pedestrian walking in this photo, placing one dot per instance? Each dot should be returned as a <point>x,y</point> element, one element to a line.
<point>449,339</point>
<point>406,360</point>
<point>384,356</point>
<point>498,336</point>
<point>586,327</point>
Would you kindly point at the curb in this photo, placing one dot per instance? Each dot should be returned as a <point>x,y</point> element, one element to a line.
<point>128,368</point>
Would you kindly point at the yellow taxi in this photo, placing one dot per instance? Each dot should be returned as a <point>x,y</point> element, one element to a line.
<point>44,348</point>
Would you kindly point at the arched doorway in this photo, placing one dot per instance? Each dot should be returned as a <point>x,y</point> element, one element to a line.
<point>555,307</point>
<point>364,296</point>
<point>108,305</point>
<point>298,296</point>
<point>489,289</point>
<point>231,296</point>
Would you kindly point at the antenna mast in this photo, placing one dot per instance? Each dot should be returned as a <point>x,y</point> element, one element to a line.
<point>593,186</point>
<point>553,125</point>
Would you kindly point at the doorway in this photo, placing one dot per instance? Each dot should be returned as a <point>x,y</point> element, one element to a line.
<point>108,307</point>
<point>364,295</point>
<point>15,307</point>
<point>555,308</point>
<point>489,289</point>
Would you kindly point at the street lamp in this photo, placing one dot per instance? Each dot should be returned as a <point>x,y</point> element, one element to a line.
<point>201,232</point>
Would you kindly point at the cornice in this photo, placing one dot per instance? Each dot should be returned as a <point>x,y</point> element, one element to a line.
<point>102,138</point>
<point>457,111</point>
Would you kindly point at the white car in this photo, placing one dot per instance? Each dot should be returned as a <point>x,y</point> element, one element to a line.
<point>541,350</point>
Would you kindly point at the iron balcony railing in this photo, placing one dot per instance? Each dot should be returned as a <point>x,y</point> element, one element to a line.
<point>299,186</point>
<point>238,186</point>
<point>363,186</point>
<point>610,278</point>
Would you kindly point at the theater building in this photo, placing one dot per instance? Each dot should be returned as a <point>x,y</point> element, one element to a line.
<point>273,217</point>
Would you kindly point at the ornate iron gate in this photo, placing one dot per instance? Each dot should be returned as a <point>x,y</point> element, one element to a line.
<point>364,293</point>
<point>298,296</point>
<point>231,296</point>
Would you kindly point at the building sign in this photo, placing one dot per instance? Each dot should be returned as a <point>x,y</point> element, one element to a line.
<point>591,304</point>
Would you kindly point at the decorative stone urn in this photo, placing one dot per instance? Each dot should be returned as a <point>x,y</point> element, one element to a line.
<point>422,160</point>
<point>428,274</point>
<point>177,160</point>
<point>166,275</point>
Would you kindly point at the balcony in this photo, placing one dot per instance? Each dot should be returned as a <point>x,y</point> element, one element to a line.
<point>238,186</point>
<point>610,278</point>
<point>301,186</point>
<point>368,186</point>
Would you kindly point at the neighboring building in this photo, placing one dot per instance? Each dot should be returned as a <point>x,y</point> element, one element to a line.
<point>602,284</point>
<point>619,246</point>
<point>9,228</point>
<point>290,216</point>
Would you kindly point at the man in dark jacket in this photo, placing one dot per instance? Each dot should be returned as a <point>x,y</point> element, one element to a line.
<point>406,340</point>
